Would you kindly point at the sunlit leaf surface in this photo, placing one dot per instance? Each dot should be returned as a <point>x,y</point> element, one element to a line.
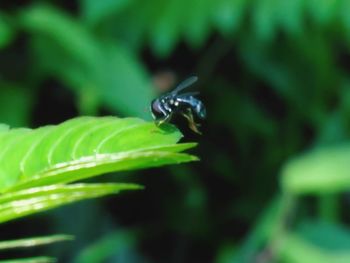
<point>25,202</point>
<point>31,260</point>
<point>36,164</point>
<point>33,241</point>
<point>84,147</point>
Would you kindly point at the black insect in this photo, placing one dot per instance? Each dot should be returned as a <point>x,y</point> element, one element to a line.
<point>186,104</point>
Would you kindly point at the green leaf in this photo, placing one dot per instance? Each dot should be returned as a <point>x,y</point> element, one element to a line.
<point>264,17</point>
<point>50,22</point>
<point>33,200</point>
<point>228,15</point>
<point>322,11</point>
<point>85,147</point>
<point>323,170</point>
<point>6,31</point>
<point>198,22</point>
<point>315,241</point>
<point>226,253</point>
<point>291,21</point>
<point>31,260</point>
<point>95,11</point>
<point>343,15</point>
<point>73,171</point>
<point>328,236</point>
<point>125,86</point>
<point>117,245</point>
<point>16,104</point>
<point>104,69</point>
<point>167,27</point>
<point>4,127</point>
<point>265,229</point>
<point>33,241</point>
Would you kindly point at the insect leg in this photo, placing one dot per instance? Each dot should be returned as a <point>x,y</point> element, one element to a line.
<point>192,124</point>
<point>163,120</point>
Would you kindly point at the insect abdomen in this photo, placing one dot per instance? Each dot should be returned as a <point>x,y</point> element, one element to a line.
<point>196,105</point>
<point>200,110</point>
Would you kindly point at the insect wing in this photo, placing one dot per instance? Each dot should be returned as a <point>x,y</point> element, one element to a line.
<point>184,84</point>
<point>187,94</point>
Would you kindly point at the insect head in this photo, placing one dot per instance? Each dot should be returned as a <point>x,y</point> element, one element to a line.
<point>185,104</point>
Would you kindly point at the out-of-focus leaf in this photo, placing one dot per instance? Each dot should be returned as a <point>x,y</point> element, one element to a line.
<point>199,21</point>
<point>297,250</point>
<point>85,147</point>
<point>264,17</point>
<point>328,236</point>
<point>6,32</point>
<point>67,33</point>
<point>33,200</point>
<point>88,102</point>
<point>117,245</point>
<point>228,15</point>
<point>345,97</point>
<point>4,127</point>
<point>66,50</point>
<point>264,230</point>
<point>344,17</point>
<point>323,170</point>
<point>140,16</point>
<point>316,242</point>
<point>226,254</point>
<point>126,87</point>
<point>168,25</point>
<point>291,15</point>
<point>322,11</point>
<point>271,70</point>
<point>16,103</point>
<point>33,241</point>
<point>95,11</point>
<point>333,130</point>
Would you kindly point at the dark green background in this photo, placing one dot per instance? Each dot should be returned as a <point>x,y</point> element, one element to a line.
<point>273,75</point>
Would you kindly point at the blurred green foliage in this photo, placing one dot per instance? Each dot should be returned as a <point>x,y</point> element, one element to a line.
<point>274,77</point>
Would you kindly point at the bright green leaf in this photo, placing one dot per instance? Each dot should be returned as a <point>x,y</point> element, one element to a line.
<point>89,167</point>
<point>31,260</point>
<point>85,147</point>
<point>33,200</point>
<point>323,170</point>
<point>33,241</point>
